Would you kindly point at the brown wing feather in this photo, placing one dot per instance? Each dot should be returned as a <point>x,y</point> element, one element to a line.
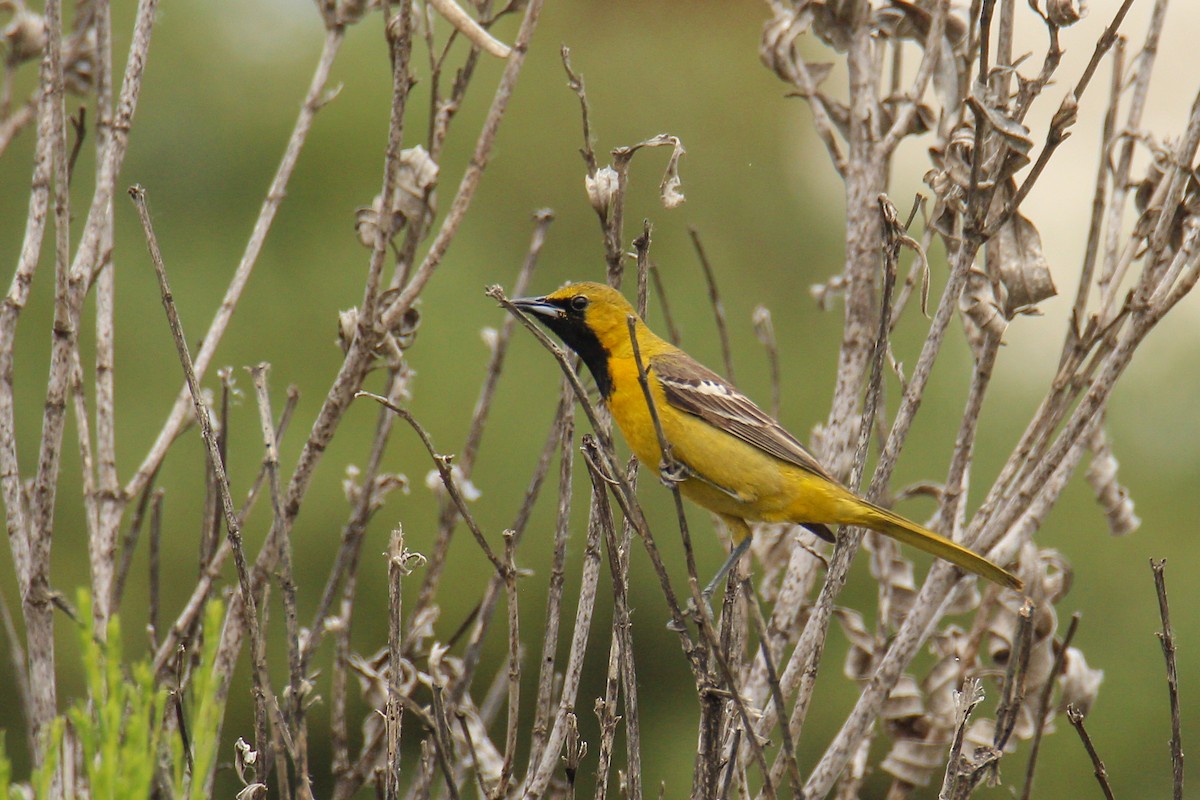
<point>697,390</point>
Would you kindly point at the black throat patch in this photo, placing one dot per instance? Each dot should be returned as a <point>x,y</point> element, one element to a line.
<point>571,328</point>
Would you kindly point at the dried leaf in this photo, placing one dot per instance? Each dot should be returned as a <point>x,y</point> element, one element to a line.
<point>1046,586</point>
<point>951,178</point>
<point>966,700</point>
<point>245,763</point>
<point>951,647</point>
<point>896,573</point>
<point>374,673</point>
<point>347,328</point>
<point>488,759</point>
<point>860,658</point>
<point>1080,683</point>
<point>602,190</point>
<point>383,484</point>
<point>668,189</point>
<point>817,72</point>
<point>982,735</point>
<point>1016,260</point>
<point>1066,116</point>
<point>922,121</point>
<point>791,563</point>
<point>1114,498</point>
<point>833,24</point>
<point>902,20</point>
<point>416,175</point>
<point>1016,136</point>
<point>982,313</point>
<point>457,16</point>
<point>764,329</point>
<point>1003,627</point>
<point>1065,12</point>
<point>912,21</point>
<point>1149,197</point>
<point>420,627</point>
<point>916,761</point>
<point>351,11</point>
<point>469,491</point>
<point>24,36</point>
<point>412,197</point>
<point>905,701</point>
<point>824,293</point>
<point>778,51</point>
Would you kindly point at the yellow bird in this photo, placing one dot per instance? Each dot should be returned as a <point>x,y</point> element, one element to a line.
<point>735,460</point>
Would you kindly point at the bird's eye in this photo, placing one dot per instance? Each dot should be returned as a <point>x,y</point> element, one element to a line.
<point>579,302</point>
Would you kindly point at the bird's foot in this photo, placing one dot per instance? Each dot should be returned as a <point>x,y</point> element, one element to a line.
<point>691,612</point>
<point>673,472</point>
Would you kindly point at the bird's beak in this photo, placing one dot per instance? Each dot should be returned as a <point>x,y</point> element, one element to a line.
<point>538,307</point>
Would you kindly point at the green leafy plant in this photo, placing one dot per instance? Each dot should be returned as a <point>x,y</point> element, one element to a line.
<point>120,723</point>
<point>204,710</point>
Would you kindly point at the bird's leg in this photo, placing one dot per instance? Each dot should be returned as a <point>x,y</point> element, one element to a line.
<point>741,534</point>
<point>739,549</point>
<point>734,555</point>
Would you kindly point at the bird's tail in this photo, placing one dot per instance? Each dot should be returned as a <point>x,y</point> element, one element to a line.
<point>910,533</point>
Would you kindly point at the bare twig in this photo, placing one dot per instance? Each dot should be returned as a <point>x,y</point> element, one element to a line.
<point>154,574</point>
<point>714,298</point>
<point>514,660</point>
<point>297,724</point>
<point>1043,706</point>
<point>539,774</point>
<point>765,330</point>
<point>34,562</point>
<point>575,82</point>
<point>442,464</point>
<point>1076,717</point>
<point>395,709</point>
<point>1167,640</point>
<point>1063,119</point>
<point>672,331</point>
<point>233,525</point>
<point>460,19</point>
<point>800,673</point>
<point>499,346</point>
<point>474,172</point>
<point>16,655</point>
<point>314,100</point>
<point>621,673</point>
<point>563,432</point>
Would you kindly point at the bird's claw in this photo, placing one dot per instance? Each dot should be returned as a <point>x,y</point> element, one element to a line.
<point>690,612</point>
<point>672,472</point>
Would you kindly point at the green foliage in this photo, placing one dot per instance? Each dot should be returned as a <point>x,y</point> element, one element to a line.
<point>5,770</point>
<point>43,776</point>
<point>119,725</point>
<point>204,711</point>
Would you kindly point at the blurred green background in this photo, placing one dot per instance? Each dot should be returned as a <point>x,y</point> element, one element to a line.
<point>224,83</point>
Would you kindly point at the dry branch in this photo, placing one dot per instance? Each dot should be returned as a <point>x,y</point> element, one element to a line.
<point>947,76</point>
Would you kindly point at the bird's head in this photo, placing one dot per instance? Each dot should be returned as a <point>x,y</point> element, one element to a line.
<point>590,318</point>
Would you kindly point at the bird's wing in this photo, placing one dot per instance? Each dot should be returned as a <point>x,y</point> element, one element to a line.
<point>697,390</point>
